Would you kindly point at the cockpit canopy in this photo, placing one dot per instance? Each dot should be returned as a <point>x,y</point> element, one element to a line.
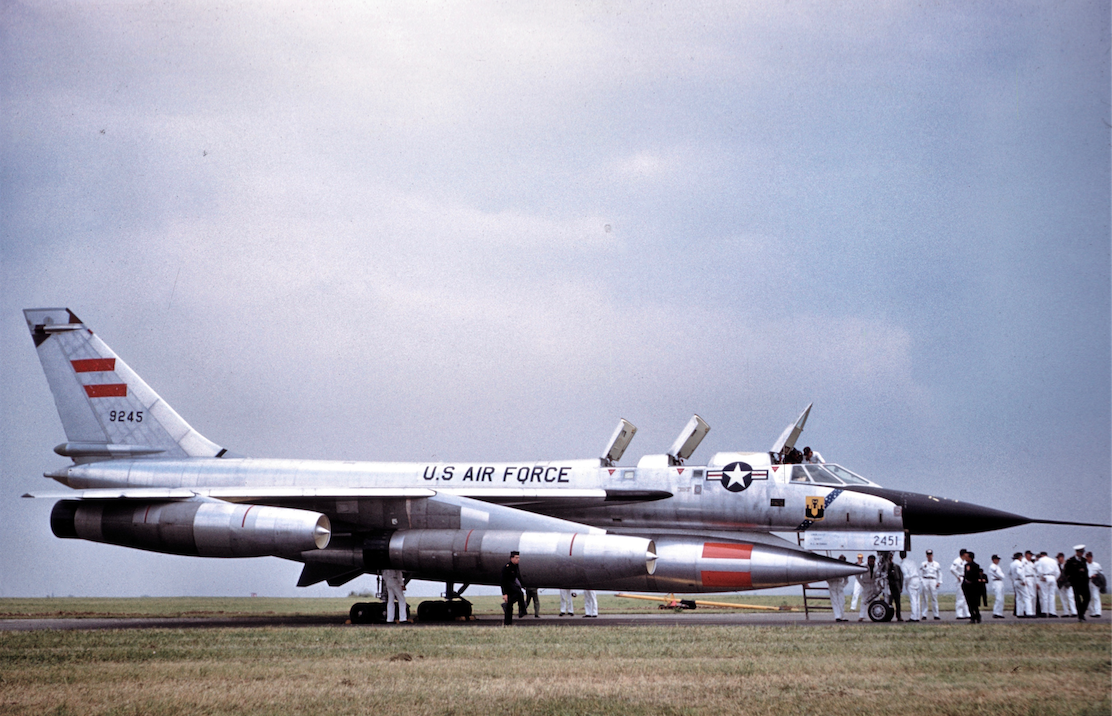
<point>825,474</point>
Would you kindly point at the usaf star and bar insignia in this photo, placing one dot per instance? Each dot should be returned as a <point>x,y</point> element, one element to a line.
<point>737,476</point>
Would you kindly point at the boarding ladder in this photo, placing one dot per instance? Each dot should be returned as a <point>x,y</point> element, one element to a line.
<point>816,595</point>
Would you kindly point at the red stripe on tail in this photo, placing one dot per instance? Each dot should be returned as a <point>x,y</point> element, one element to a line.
<point>107,390</point>
<point>94,365</point>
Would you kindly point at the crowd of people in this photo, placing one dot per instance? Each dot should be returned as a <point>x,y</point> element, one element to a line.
<point>1040,583</point>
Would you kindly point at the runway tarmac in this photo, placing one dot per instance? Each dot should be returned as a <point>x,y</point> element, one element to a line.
<point>670,619</point>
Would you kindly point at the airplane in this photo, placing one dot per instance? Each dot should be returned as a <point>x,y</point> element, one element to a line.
<point>142,477</point>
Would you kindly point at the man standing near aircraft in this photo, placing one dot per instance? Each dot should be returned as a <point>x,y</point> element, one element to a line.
<point>895,586</point>
<point>567,605</point>
<point>1030,578</point>
<point>1094,588</point>
<point>996,581</point>
<point>1076,573</point>
<point>957,568</point>
<point>512,591</point>
<point>913,583</point>
<point>837,588</point>
<point>856,585</point>
<point>1046,568</point>
<point>396,610</point>
<point>1065,588</point>
<point>931,572</point>
<point>1015,573</point>
<point>590,603</point>
<point>871,585</point>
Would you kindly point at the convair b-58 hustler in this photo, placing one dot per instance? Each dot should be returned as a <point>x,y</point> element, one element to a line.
<point>144,478</point>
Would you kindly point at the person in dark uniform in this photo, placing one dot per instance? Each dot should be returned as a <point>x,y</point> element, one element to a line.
<point>972,586</point>
<point>1076,573</point>
<point>512,592</point>
<point>895,586</point>
<point>534,597</point>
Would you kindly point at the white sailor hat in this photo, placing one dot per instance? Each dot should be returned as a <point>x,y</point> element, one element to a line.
<point>1078,547</point>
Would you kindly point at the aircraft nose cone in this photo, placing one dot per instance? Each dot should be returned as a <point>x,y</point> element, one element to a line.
<point>776,567</point>
<point>930,515</point>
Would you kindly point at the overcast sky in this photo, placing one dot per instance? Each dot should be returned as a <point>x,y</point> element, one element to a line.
<point>423,231</point>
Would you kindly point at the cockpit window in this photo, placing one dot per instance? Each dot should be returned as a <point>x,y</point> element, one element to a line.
<point>821,476</point>
<point>846,476</point>
<point>825,474</point>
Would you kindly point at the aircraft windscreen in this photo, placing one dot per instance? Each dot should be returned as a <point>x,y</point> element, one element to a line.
<point>845,475</point>
<point>820,476</point>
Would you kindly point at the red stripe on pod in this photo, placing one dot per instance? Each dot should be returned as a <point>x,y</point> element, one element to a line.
<point>244,523</point>
<point>94,365</point>
<point>572,545</point>
<point>726,550</point>
<point>467,539</point>
<point>107,390</point>
<point>734,580</point>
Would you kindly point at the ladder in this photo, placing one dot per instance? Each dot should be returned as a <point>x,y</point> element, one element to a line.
<point>816,595</point>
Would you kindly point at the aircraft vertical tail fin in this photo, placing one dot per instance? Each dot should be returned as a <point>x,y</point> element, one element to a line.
<point>107,410</point>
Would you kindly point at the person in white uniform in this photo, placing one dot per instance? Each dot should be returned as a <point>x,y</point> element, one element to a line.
<point>567,606</point>
<point>996,584</point>
<point>837,587</point>
<point>1094,590</point>
<point>1065,591</point>
<point>1015,573</point>
<point>812,458</point>
<point>1031,579</point>
<point>395,596</point>
<point>590,603</point>
<point>957,568</point>
<point>1046,570</point>
<point>913,584</point>
<point>856,586</point>
<point>931,574</point>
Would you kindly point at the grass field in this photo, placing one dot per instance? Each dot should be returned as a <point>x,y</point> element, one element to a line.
<point>937,668</point>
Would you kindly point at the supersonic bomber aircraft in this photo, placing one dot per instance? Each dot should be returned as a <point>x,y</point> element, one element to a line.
<point>144,478</point>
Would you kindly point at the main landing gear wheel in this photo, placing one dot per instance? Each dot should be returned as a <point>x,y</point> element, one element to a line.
<point>880,611</point>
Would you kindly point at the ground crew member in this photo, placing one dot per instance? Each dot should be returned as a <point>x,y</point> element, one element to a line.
<point>512,591</point>
<point>869,582</point>
<point>996,581</point>
<point>957,568</point>
<point>1065,589</point>
<point>913,583</point>
<point>1094,588</point>
<point>531,595</point>
<point>567,606</point>
<point>1077,573</point>
<point>895,587</point>
<point>856,585</point>
<point>396,610</point>
<point>931,573</point>
<point>972,586</point>
<point>1031,579</point>
<point>590,603</point>
<point>1015,573</point>
<point>837,588</point>
<point>1046,568</point>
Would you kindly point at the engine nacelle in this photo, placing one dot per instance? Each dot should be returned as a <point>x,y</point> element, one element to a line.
<point>194,527</point>
<point>548,559</point>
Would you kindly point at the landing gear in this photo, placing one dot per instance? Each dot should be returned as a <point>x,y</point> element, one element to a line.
<point>452,608</point>
<point>881,611</point>
<point>372,613</point>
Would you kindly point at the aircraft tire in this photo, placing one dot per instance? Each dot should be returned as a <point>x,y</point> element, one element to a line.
<point>443,611</point>
<point>880,611</point>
